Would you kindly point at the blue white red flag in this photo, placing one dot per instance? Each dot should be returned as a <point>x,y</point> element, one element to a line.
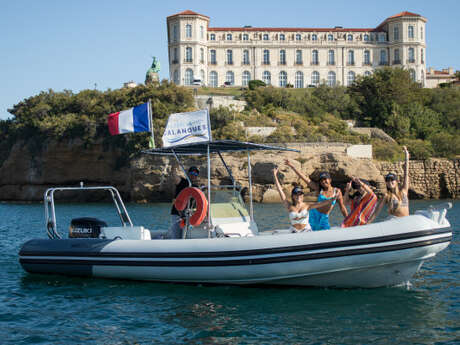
<point>136,119</point>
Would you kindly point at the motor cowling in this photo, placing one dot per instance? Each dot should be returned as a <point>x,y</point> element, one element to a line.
<point>86,227</point>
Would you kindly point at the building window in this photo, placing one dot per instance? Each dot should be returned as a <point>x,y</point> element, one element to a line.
<point>367,73</point>
<point>245,57</point>
<point>349,37</point>
<point>246,78</point>
<point>422,57</point>
<point>245,37</point>
<point>188,54</point>
<point>212,37</point>
<point>367,57</point>
<point>330,57</point>
<point>266,57</point>
<point>411,55</point>
<point>351,58</point>
<point>331,79</point>
<point>314,37</point>
<point>265,37</point>
<point>298,57</point>
<point>176,77</point>
<point>410,31</point>
<point>213,81</point>
<point>267,78</point>
<point>282,37</point>
<point>421,37</point>
<point>383,57</point>
<point>315,78</point>
<point>422,77</point>
<point>229,37</point>
<point>382,37</point>
<point>175,35</point>
<point>201,32</point>
<point>175,58</point>
<point>351,77</point>
<point>188,31</point>
<point>298,80</point>
<point>202,76</point>
<point>396,60</point>
<point>188,76</point>
<point>314,57</point>
<point>283,79</point>
<point>330,37</point>
<point>366,38</point>
<point>230,78</point>
<point>396,33</point>
<point>213,57</point>
<point>412,74</point>
<point>229,57</point>
<point>282,57</point>
<point>298,37</point>
<point>201,55</point>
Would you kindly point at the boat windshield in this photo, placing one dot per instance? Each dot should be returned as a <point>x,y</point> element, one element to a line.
<point>227,203</point>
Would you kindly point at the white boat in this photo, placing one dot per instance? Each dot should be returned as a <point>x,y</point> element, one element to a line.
<point>228,248</point>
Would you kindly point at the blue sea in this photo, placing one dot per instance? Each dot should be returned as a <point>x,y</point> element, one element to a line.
<point>45,309</point>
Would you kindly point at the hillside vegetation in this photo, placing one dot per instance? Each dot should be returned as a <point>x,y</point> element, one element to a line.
<point>426,120</point>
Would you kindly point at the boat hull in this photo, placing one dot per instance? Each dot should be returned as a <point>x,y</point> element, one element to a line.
<point>380,254</point>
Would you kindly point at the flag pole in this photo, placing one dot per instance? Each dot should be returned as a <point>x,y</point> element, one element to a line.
<point>152,142</point>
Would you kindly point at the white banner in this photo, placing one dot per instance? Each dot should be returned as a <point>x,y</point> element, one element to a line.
<point>185,128</point>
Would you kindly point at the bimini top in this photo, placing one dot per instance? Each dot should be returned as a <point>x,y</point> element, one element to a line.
<point>218,146</point>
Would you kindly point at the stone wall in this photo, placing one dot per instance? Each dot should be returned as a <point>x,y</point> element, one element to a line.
<point>210,101</point>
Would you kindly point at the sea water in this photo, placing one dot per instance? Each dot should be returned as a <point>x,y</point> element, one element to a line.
<point>51,309</point>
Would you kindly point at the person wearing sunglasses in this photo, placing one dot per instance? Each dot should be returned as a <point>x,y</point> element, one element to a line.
<point>396,198</point>
<point>175,231</point>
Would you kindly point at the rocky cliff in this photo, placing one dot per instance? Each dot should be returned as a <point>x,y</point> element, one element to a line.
<point>24,176</point>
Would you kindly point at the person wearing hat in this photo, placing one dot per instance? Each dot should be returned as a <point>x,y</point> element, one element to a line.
<point>175,231</point>
<point>319,217</point>
<point>396,198</point>
<point>298,209</point>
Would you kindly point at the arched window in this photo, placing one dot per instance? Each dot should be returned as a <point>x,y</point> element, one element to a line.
<point>188,76</point>
<point>229,57</point>
<point>201,55</point>
<point>366,37</point>
<point>298,80</point>
<point>267,78</point>
<point>266,57</point>
<point>396,57</point>
<point>367,57</point>
<point>283,79</point>
<point>213,57</point>
<point>396,33</point>
<point>331,57</point>
<point>282,37</point>
<point>202,76</point>
<point>351,77</point>
<point>298,57</point>
<point>212,37</point>
<point>282,57</point>
<point>245,37</point>
<point>412,74</point>
<point>330,37</point>
<point>314,37</point>
<point>383,57</point>
<point>349,37</point>
<point>331,79</point>
<point>314,57</point>
<point>298,37</point>
<point>188,31</point>
<point>265,37</point>
<point>230,78</point>
<point>213,81</point>
<point>245,57</point>
<point>188,54</point>
<point>411,55</point>
<point>246,78</point>
<point>315,78</point>
<point>351,57</point>
<point>176,77</point>
<point>229,37</point>
<point>367,73</point>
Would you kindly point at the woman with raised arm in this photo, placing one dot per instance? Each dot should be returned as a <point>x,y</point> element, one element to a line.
<point>362,203</point>
<point>319,218</point>
<point>298,210</point>
<point>396,198</point>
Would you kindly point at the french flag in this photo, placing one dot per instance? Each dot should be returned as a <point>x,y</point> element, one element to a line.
<point>136,119</point>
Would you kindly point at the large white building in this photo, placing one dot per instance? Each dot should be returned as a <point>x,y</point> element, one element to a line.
<point>297,56</point>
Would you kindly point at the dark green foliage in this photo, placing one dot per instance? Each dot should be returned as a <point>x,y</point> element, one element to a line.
<point>254,84</point>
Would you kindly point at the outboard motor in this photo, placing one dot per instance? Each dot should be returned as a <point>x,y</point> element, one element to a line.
<point>86,227</point>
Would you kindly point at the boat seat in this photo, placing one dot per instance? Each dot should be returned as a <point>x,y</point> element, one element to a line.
<point>125,233</point>
<point>240,229</point>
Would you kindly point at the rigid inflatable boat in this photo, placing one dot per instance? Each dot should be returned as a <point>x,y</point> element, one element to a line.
<point>227,248</point>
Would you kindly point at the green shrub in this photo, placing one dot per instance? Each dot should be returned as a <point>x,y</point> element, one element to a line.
<point>254,84</point>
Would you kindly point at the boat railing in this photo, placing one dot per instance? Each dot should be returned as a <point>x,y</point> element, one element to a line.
<point>50,210</point>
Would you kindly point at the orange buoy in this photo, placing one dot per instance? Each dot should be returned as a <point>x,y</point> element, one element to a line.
<point>201,204</point>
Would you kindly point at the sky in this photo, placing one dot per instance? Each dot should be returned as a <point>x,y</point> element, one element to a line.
<point>86,44</point>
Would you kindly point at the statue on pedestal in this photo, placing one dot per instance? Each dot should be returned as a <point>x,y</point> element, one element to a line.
<point>152,77</point>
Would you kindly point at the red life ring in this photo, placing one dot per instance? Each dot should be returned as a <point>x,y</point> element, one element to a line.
<point>201,204</point>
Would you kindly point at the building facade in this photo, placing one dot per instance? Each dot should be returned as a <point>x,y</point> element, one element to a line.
<point>435,78</point>
<point>301,57</point>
